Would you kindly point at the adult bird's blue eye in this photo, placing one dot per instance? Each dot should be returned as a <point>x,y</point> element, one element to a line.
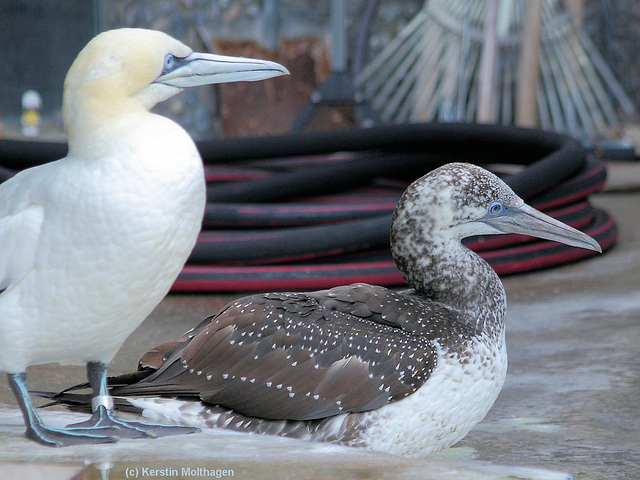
<point>496,208</point>
<point>169,62</point>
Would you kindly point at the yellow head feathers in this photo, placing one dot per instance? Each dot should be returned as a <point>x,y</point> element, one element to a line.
<point>116,66</point>
<point>129,70</point>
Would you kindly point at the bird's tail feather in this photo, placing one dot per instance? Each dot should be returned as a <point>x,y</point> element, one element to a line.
<point>127,385</point>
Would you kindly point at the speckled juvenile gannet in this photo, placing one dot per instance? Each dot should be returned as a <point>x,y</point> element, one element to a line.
<point>408,373</point>
<point>90,244</point>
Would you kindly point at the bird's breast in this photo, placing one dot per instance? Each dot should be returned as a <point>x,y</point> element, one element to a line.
<point>117,230</point>
<point>457,396</point>
<point>137,212</point>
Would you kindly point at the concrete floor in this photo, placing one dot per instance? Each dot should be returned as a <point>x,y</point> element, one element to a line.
<point>570,403</point>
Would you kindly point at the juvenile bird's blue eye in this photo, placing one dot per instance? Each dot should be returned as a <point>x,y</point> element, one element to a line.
<point>496,208</point>
<point>169,62</point>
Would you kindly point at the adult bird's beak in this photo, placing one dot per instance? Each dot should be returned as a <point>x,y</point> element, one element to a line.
<point>204,69</point>
<point>529,221</point>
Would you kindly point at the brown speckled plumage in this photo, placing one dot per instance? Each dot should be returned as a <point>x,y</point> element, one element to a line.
<point>404,372</point>
<point>292,354</point>
<point>350,349</point>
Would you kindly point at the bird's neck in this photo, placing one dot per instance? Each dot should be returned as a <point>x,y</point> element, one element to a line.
<point>93,117</point>
<point>445,271</point>
<point>95,127</point>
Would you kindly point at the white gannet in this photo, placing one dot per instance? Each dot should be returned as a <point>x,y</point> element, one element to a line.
<point>91,243</point>
<point>407,373</point>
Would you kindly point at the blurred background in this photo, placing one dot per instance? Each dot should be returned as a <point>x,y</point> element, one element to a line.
<point>564,65</point>
<point>389,88</point>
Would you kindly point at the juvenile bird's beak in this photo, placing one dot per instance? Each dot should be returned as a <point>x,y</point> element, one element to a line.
<point>526,220</point>
<point>205,69</point>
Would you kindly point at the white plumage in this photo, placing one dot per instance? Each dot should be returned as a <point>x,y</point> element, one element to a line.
<point>96,244</point>
<point>456,397</point>
<point>91,243</point>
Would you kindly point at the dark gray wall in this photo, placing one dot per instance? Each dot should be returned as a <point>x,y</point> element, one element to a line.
<point>38,42</point>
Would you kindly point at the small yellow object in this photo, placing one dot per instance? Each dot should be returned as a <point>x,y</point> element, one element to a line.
<point>31,105</point>
<point>30,118</point>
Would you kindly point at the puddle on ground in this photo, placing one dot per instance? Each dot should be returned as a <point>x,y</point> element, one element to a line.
<point>569,404</point>
<point>220,454</point>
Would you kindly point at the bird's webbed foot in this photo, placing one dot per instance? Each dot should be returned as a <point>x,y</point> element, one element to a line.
<point>103,421</point>
<point>50,437</point>
<point>65,437</point>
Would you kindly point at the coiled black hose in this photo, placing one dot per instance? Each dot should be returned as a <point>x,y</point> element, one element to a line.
<point>288,212</point>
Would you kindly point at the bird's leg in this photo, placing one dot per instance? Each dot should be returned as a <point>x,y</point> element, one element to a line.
<point>103,418</point>
<point>36,431</point>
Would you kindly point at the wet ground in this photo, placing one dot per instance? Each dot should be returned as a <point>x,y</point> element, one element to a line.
<point>570,403</point>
